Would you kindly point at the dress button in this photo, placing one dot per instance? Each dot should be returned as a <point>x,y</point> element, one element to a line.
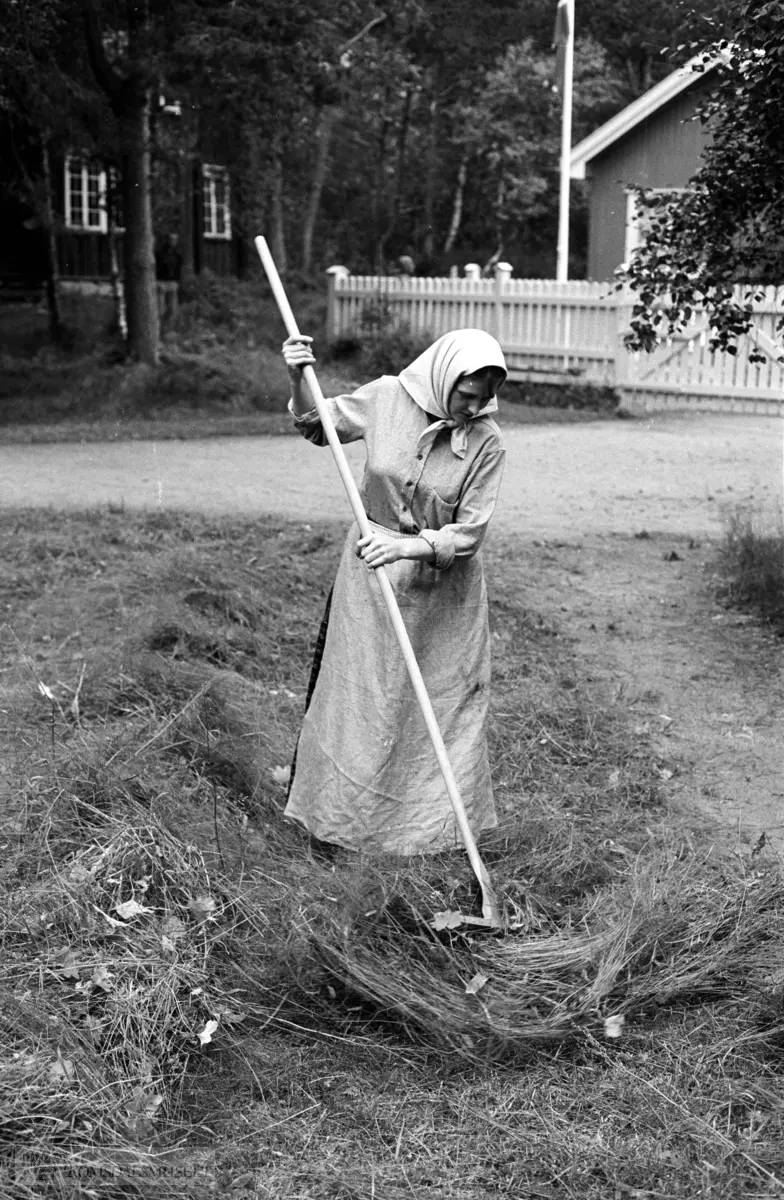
<point>405,509</point>
<point>409,483</point>
<point>420,456</point>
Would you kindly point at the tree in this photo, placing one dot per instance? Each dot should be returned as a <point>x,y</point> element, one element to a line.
<point>125,68</point>
<point>726,229</point>
<point>509,132</point>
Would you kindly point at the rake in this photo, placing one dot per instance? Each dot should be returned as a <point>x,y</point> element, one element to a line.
<point>491,912</point>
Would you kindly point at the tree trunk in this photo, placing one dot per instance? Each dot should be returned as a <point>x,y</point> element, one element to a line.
<point>326,124</point>
<point>53,266</point>
<point>400,156</point>
<point>140,286</point>
<point>457,205</point>
<point>277,230</point>
<point>431,171</point>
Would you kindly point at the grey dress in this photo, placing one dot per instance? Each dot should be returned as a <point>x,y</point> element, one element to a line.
<point>367,776</point>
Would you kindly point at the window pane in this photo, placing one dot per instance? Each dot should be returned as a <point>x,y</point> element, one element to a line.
<point>76,212</point>
<point>93,199</point>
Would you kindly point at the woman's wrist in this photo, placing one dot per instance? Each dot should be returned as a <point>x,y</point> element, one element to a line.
<point>419,549</point>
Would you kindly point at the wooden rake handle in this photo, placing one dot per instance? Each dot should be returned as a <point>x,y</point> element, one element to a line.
<point>490,906</point>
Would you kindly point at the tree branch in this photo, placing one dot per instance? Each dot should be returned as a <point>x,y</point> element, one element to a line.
<point>109,80</point>
<point>357,36</point>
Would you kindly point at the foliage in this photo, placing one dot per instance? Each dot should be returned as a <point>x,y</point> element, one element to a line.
<point>752,564</point>
<point>510,131</point>
<point>726,229</point>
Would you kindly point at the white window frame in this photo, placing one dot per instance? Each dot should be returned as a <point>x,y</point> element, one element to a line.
<point>80,170</point>
<point>212,174</point>
<point>633,235</point>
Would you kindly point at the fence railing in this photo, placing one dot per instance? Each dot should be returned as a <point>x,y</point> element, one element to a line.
<point>574,330</point>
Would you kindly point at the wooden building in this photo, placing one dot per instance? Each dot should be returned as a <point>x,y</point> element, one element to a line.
<point>91,220</point>
<point>655,142</point>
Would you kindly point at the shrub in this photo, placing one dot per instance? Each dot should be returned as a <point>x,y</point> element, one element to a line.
<point>752,563</point>
<point>574,394</point>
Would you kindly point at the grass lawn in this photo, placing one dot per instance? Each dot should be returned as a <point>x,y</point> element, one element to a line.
<point>191,993</point>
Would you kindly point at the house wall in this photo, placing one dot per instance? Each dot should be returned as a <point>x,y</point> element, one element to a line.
<point>661,152</point>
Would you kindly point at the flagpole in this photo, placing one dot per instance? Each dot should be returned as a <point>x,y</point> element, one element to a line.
<point>562,260</point>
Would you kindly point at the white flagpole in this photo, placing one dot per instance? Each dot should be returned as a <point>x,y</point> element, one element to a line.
<point>562,260</point>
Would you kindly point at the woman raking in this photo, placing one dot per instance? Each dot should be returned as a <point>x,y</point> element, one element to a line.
<point>365,775</point>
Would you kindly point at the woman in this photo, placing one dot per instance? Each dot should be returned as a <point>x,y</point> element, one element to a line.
<point>366,775</point>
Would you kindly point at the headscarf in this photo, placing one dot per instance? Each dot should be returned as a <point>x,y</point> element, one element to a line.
<point>430,379</point>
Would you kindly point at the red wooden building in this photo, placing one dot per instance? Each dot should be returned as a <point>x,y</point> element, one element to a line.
<point>655,142</point>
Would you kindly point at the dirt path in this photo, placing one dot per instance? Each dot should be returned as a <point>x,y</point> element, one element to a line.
<point>600,509</point>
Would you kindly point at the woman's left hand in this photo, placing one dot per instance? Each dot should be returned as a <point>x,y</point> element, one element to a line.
<point>377,550</point>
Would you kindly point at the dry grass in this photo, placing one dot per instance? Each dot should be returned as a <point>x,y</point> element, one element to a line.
<point>347,1058</point>
<point>752,563</point>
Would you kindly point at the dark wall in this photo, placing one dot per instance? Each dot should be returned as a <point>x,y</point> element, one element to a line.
<point>661,152</point>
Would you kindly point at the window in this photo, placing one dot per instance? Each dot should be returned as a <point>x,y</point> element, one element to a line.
<point>217,202</point>
<point>636,218</point>
<point>87,196</point>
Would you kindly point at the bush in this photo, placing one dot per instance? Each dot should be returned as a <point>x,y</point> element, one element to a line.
<point>541,394</point>
<point>752,563</point>
<point>392,351</point>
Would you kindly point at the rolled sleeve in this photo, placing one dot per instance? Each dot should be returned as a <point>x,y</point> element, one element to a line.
<point>443,545</point>
<point>349,415</point>
<point>463,537</point>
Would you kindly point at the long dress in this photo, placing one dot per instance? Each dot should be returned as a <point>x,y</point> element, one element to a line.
<point>366,772</point>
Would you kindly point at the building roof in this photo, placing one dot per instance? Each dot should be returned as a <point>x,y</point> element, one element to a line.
<point>639,110</point>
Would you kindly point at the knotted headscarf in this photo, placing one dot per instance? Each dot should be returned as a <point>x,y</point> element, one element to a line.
<point>430,380</point>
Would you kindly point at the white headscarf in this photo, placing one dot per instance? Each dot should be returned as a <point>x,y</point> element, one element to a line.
<point>430,379</point>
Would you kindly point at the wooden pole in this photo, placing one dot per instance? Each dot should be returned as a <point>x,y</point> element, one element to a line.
<point>567,84</point>
<point>490,907</point>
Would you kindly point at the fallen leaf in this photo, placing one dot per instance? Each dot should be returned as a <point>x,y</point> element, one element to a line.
<point>46,691</point>
<point>131,908</point>
<point>231,1018</point>
<point>206,1034</point>
<point>760,844</point>
<point>168,945</point>
<point>145,1104</point>
<point>447,920</point>
<point>281,775</point>
<point>70,967</point>
<point>62,1068</point>
<point>78,874</point>
<point>202,908</point>
<point>476,984</point>
<point>613,1026</point>
<point>614,778</point>
<point>102,979</point>
<point>114,924</point>
<point>664,773</point>
<point>173,928</point>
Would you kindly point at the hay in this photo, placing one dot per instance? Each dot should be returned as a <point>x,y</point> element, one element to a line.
<point>116,964</point>
<point>673,932</point>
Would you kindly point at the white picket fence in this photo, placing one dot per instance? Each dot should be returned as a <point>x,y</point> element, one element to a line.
<point>570,331</point>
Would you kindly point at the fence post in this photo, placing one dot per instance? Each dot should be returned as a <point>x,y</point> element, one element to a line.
<point>472,271</point>
<point>623,312</point>
<point>333,274</point>
<point>503,272</point>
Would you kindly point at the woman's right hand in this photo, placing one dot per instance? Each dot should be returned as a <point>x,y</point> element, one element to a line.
<point>297,355</point>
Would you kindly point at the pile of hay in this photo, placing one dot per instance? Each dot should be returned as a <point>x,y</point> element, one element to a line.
<point>117,956</point>
<point>674,930</point>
